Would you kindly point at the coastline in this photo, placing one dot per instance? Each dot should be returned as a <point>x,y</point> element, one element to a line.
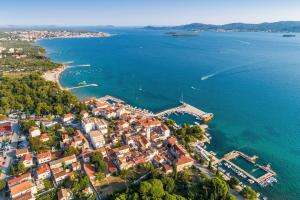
<point>54,75</point>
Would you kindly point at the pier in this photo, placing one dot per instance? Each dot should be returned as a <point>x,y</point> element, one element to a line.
<point>81,86</point>
<point>183,108</point>
<point>260,180</point>
<point>111,98</point>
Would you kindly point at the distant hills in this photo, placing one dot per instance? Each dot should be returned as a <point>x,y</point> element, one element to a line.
<point>282,26</point>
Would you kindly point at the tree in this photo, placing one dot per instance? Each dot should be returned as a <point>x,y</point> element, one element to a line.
<point>233,182</point>
<point>249,193</point>
<point>169,184</point>
<point>2,185</point>
<point>70,151</point>
<point>157,189</point>
<point>145,188</point>
<point>100,176</point>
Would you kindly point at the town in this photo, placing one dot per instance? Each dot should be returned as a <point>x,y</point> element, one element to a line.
<point>102,141</point>
<point>34,35</point>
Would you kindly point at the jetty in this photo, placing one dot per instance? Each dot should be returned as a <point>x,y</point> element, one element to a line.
<point>183,108</point>
<point>111,98</point>
<point>262,180</point>
<point>81,86</point>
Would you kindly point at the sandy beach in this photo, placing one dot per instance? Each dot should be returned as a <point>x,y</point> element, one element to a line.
<point>54,74</point>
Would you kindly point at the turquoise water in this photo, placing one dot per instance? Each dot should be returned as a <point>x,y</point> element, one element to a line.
<point>248,167</point>
<point>251,82</point>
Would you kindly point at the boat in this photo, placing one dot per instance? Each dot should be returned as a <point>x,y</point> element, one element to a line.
<point>82,83</point>
<point>207,117</point>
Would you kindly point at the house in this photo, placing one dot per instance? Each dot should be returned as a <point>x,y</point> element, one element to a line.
<point>64,194</point>
<point>5,129</point>
<point>19,179</point>
<point>21,152</point>
<point>44,137</point>
<point>97,139</point>
<point>34,131</point>
<point>89,170</point>
<point>22,189</point>
<point>184,162</point>
<point>68,117</point>
<point>60,176</point>
<point>93,123</point>
<point>43,172</point>
<point>84,114</point>
<point>165,131</point>
<point>44,157</point>
<point>76,166</point>
<point>68,160</point>
<point>27,196</point>
<point>27,160</point>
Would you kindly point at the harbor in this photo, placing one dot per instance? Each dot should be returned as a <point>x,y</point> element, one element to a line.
<point>246,167</point>
<point>188,109</point>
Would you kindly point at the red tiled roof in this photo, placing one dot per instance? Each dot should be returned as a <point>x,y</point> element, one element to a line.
<point>19,178</point>
<point>20,187</point>
<point>5,127</point>
<point>42,169</point>
<point>89,170</point>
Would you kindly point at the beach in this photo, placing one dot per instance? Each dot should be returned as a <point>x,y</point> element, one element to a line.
<point>54,74</point>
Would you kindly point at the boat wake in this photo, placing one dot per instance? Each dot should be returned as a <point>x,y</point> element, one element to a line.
<point>193,88</point>
<point>244,42</point>
<point>83,65</point>
<point>226,70</point>
<point>68,62</point>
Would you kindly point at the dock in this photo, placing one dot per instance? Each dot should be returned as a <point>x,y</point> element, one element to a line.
<point>81,86</point>
<point>183,108</point>
<point>260,180</point>
<point>111,98</point>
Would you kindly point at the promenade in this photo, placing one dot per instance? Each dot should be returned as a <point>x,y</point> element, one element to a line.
<point>184,108</point>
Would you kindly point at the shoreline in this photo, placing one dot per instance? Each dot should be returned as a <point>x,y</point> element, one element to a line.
<point>54,75</point>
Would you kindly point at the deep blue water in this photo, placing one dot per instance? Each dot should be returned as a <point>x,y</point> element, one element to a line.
<point>252,86</point>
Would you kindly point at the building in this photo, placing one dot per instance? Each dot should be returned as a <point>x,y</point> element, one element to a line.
<point>89,170</point>
<point>21,189</point>
<point>43,172</point>
<point>64,194</point>
<point>5,129</point>
<point>93,123</point>
<point>68,117</point>
<point>44,157</point>
<point>60,176</point>
<point>21,152</point>
<point>44,137</point>
<point>97,139</point>
<point>34,131</point>
<point>27,160</point>
<point>67,160</point>
<point>19,179</point>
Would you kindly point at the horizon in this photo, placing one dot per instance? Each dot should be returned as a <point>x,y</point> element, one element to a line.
<point>111,25</point>
<point>137,13</point>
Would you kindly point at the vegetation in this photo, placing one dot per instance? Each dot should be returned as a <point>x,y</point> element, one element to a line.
<point>70,151</point>
<point>188,184</point>
<point>27,57</point>
<point>34,94</point>
<point>2,185</point>
<point>17,169</point>
<point>99,163</point>
<point>188,133</point>
<point>77,184</point>
<point>249,193</point>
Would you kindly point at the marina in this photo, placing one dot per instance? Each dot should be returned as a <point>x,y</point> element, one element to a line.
<point>246,167</point>
<point>187,109</point>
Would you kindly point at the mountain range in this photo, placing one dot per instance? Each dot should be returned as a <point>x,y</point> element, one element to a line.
<point>282,26</point>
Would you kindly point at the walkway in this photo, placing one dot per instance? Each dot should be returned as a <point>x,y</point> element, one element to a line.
<point>184,108</point>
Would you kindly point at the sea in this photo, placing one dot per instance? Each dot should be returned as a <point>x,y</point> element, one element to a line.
<point>250,81</point>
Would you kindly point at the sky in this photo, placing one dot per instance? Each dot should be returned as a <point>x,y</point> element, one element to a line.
<point>145,12</point>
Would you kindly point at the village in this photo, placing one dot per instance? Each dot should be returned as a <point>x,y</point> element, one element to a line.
<point>99,143</point>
